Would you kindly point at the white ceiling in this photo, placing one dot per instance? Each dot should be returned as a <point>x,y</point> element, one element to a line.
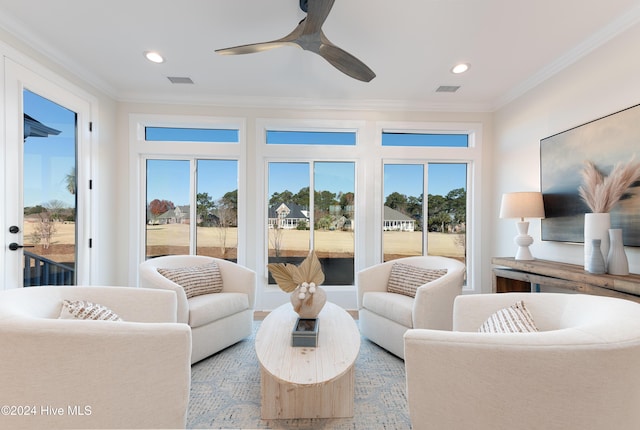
<point>411,45</point>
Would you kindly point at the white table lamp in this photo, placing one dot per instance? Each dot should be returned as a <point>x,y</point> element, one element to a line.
<point>522,205</point>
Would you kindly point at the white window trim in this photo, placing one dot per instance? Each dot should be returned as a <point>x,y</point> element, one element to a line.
<point>23,73</point>
<point>270,297</point>
<point>472,155</point>
<point>141,150</point>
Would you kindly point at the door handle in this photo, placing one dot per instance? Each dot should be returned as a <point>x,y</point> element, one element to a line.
<point>14,246</point>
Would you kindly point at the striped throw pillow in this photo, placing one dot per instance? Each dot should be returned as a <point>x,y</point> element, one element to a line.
<point>405,278</point>
<point>514,319</point>
<point>196,280</point>
<point>85,310</point>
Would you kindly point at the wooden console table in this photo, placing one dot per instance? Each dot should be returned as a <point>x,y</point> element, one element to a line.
<point>511,275</point>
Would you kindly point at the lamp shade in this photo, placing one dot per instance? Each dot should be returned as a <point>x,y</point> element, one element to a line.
<point>522,205</point>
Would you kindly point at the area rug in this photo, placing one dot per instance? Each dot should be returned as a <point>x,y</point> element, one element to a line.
<point>225,392</point>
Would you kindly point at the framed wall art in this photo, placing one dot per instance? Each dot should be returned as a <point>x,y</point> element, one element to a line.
<point>605,141</point>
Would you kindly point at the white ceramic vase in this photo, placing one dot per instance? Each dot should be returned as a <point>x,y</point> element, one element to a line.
<point>596,226</point>
<point>617,262</point>
<point>309,306</point>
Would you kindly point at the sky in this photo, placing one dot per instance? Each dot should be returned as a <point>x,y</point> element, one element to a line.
<point>48,161</point>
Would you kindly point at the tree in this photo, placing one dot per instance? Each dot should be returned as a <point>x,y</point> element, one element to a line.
<point>70,180</point>
<point>414,210</point>
<point>44,230</point>
<point>301,198</point>
<point>55,209</point>
<point>283,197</point>
<point>226,213</point>
<point>204,205</point>
<point>458,205</point>
<point>231,199</point>
<point>276,238</point>
<point>450,210</point>
<point>346,201</point>
<point>437,213</point>
<point>396,201</point>
<point>158,207</point>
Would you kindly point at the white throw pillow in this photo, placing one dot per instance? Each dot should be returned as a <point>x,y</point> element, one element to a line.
<point>514,319</point>
<point>196,280</point>
<point>85,310</point>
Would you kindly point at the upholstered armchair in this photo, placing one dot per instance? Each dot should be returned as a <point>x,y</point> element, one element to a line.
<point>579,371</point>
<point>75,373</point>
<point>384,316</point>
<point>217,320</point>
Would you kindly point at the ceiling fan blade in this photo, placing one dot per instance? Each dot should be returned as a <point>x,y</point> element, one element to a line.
<point>346,63</point>
<point>317,12</point>
<point>251,48</point>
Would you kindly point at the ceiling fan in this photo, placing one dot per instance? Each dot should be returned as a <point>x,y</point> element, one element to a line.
<point>309,36</point>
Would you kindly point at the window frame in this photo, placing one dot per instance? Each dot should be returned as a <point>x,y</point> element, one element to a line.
<point>471,155</point>
<point>270,296</point>
<point>141,150</point>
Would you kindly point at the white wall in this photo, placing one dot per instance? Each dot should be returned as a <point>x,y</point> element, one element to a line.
<point>603,82</point>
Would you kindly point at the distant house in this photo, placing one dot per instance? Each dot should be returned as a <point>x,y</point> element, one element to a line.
<point>287,216</point>
<point>179,215</point>
<point>397,221</point>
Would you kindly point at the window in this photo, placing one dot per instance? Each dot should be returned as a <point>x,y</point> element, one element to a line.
<point>217,208</point>
<point>406,231</point>
<point>402,214</point>
<point>190,191</point>
<point>177,134</point>
<point>425,139</point>
<point>323,220</point>
<point>333,138</point>
<point>170,197</point>
<point>168,202</point>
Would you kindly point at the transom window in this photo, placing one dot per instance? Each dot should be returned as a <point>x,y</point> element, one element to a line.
<point>390,138</point>
<point>333,138</point>
<point>185,134</point>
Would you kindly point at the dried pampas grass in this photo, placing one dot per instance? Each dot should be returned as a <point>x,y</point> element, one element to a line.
<point>601,192</point>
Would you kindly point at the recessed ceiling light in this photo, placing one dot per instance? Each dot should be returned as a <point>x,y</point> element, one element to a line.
<point>460,68</point>
<point>154,57</point>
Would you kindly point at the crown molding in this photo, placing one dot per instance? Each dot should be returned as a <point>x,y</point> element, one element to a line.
<point>596,40</point>
<point>50,53</point>
<point>303,103</point>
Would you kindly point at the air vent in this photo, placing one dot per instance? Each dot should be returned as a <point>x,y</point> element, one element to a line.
<point>180,80</point>
<point>448,88</point>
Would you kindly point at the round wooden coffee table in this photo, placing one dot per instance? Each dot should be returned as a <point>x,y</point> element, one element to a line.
<point>305,382</point>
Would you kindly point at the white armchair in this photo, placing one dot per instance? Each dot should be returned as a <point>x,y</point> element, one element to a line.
<point>217,320</point>
<point>384,317</point>
<point>580,371</point>
<point>62,373</point>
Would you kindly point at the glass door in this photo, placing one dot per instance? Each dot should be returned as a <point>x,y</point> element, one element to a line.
<point>48,192</point>
<point>44,224</point>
